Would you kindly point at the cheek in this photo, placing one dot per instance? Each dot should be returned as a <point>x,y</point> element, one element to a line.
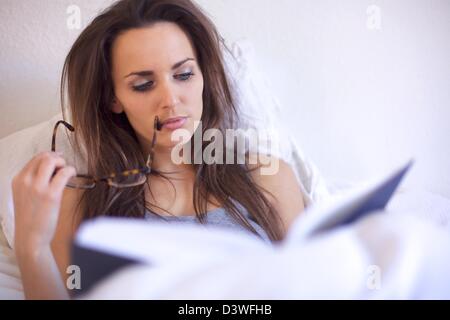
<point>135,104</point>
<point>197,99</point>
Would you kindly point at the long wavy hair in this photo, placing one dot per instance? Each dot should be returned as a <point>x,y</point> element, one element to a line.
<point>109,141</point>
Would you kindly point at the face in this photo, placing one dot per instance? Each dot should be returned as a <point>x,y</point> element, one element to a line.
<point>155,73</point>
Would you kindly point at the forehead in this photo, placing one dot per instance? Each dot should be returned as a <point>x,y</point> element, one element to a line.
<point>157,47</point>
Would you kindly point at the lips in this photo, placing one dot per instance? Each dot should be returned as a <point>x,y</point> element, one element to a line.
<point>174,123</point>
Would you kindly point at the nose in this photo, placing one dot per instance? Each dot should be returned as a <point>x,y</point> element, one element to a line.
<point>168,95</point>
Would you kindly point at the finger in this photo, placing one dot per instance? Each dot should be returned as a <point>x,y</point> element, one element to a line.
<point>59,181</point>
<point>46,169</point>
<point>29,170</point>
<point>30,167</point>
<point>48,156</point>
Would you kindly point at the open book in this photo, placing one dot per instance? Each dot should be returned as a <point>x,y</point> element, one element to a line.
<point>106,245</point>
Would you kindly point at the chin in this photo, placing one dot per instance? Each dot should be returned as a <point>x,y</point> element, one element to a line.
<point>167,142</point>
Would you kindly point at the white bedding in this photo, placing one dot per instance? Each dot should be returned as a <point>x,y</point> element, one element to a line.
<point>10,283</point>
<point>385,256</point>
<point>432,211</point>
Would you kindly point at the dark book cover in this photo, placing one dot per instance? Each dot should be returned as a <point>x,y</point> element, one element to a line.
<point>96,266</point>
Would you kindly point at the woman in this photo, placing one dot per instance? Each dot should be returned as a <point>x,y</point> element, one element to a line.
<point>138,61</point>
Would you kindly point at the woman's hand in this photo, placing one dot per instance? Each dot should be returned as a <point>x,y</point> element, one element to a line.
<point>37,196</point>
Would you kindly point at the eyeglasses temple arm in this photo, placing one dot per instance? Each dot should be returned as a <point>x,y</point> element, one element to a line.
<point>68,126</point>
<point>151,154</point>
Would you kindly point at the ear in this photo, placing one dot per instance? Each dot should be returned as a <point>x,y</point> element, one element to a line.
<point>117,107</point>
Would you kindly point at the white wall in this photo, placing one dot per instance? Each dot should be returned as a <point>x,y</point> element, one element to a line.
<point>361,91</point>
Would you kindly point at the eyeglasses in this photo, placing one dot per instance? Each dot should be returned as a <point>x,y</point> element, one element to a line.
<point>124,179</point>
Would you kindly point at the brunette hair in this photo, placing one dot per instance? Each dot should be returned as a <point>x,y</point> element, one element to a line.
<point>108,140</point>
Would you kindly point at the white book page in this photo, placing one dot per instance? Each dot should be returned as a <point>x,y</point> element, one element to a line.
<point>374,196</point>
<point>163,243</point>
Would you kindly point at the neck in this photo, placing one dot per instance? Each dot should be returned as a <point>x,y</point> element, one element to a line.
<point>162,162</point>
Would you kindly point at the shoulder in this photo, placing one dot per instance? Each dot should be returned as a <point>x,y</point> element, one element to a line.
<point>271,172</point>
<point>277,178</point>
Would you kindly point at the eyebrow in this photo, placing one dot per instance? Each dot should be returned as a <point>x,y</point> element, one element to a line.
<point>149,72</point>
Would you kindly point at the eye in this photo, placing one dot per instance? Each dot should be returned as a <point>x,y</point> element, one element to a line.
<point>147,85</point>
<point>143,87</point>
<point>185,76</point>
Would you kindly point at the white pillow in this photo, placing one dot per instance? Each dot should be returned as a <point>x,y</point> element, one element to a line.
<point>10,282</point>
<point>17,149</point>
<point>258,108</point>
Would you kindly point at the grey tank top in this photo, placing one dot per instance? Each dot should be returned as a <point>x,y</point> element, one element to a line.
<point>218,217</point>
